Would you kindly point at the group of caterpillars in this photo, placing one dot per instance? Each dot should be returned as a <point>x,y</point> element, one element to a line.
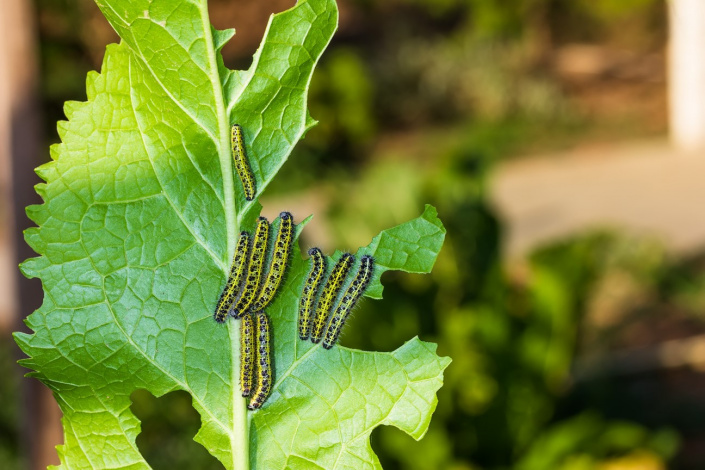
<point>245,295</point>
<point>314,309</point>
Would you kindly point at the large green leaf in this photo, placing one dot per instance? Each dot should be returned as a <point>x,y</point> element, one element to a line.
<point>136,232</point>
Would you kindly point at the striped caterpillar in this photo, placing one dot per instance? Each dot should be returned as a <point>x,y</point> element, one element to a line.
<point>264,362</point>
<point>247,354</point>
<point>311,287</point>
<point>242,165</point>
<point>330,292</point>
<point>232,286</point>
<point>278,265</point>
<point>254,271</point>
<point>347,302</point>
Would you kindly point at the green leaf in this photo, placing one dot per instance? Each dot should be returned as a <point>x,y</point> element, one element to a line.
<point>136,233</point>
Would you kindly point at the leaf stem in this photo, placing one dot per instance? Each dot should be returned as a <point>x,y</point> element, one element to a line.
<point>240,438</point>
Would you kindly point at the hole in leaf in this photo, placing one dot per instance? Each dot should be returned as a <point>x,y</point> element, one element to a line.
<point>169,424</point>
<point>386,325</point>
<point>397,450</point>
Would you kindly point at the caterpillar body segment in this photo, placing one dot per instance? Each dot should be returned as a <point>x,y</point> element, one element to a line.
<point>247,353</point>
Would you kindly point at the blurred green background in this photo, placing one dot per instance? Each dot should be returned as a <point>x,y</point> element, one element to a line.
<point>418,102</point>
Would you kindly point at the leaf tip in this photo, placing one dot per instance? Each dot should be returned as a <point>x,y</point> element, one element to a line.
<point>300,226</point>
<point>22,339</point>
<point>71,107</point>
<point>29,267</point>
<point>221,37</point>
<point>43,171</point>
<point>33,213</point>
<point>41,189</point>
<point>92,77</point>
<point>430,214</point>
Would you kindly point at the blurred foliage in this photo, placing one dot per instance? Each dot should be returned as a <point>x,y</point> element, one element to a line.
<point>9,410</point>
<point>625,23</point>
<point>589,442</point>
<point>513,338</point>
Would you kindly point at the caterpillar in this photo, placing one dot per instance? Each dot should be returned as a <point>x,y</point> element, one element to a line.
<point>247,354</point>
<point>311,288</point>
<point>264,363</point>
<point>242,165</point>
<point>347,302</point>
<point>254,270</point>
<point>330,291</point>
<point>237,269</point>
<point>277,267</point>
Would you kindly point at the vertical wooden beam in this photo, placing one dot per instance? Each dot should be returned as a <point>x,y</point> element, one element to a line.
<point>21,146</point>
<point>687,74</point>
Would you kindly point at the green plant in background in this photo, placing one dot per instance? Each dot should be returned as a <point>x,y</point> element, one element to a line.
<point>10,455</point>
<point>588,441</point>
<point>513,337</point>
<point>138,225</point>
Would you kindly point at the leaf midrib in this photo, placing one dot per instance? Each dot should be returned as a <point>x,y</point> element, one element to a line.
<point>239,438</point>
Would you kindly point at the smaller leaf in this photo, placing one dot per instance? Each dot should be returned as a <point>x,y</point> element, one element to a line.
<point>412,247</point>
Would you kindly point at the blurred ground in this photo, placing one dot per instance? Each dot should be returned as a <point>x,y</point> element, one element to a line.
<point>7,280</point>
<point>643,187</point>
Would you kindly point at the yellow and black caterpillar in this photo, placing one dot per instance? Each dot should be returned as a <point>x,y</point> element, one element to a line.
<point>264,362</point>
<point>330,292</point>
<point>278,265</point>
<point>247,354</point>
<point>312,285</point>
<point>347,302</point>
<point>232,286</point>
<point>254,272</point>
<point>242,165</point>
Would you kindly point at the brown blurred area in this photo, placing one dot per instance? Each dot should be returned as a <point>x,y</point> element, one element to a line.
<point>564,160</point>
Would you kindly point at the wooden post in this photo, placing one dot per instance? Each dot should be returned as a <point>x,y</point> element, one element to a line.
<point>687,74</point>
<point>21,146</point>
